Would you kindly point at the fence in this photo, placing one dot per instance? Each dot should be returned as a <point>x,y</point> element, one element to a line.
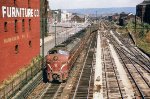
<point>9,90</point>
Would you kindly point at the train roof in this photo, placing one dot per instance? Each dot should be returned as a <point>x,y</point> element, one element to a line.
<point>59,49</point>
<point>60,46</point>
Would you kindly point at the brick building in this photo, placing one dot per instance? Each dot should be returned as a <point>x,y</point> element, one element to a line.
<point>19,34</point>
<point>143,11</point>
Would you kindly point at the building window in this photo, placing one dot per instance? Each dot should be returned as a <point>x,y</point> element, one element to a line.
<point>16,26</point>
<point>14,2</point>
<point>23,25</point>
<point>30,44</point>
<point>5,26</point>
<point>16,49</point>
<point>29,24</point>
<point>29,5</point>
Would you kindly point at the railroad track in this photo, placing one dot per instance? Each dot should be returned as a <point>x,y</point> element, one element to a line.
<point>137,73</point>
<point>83,87</point>
<point>129,51</point>
<point>137,60</point>
<point>27,90</point>
<point>134,57</point>
<point>23,94</point>
<point>53,91</point>
<point>141,85</point>
<point>134,51</point>
<point>112,85</point>
<point>50,90</point>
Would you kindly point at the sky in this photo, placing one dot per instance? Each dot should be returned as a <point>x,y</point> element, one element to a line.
<point>75,4</point>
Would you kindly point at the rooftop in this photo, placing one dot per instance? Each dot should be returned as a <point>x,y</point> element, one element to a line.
<point>145,2</point>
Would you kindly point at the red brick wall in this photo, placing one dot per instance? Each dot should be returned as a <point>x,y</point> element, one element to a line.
<point>10,61</point>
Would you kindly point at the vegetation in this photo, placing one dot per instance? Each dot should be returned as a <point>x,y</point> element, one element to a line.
<point>122,30</point>
<point>141,34</point>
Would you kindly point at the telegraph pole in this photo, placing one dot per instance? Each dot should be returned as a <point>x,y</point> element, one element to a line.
<point>135,25</point>
<point>55,30</point>
<point>43,32</point>
<point>143,12</point>
<point>43,25</point>
<point>96,16</point>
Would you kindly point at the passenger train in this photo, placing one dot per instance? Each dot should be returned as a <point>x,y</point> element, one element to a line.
<point>60,59</point>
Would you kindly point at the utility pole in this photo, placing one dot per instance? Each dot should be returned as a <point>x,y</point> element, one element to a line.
<point>43,32</point>
<point>135,25</point>
<point>96,16</point>
<point>143,12</point>
<point>55,29</point>
<point>43,25</point>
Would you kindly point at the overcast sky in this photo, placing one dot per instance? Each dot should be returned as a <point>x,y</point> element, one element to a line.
<point>74,4</point>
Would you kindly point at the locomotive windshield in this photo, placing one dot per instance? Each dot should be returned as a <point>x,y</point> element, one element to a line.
<point>58,52</point>
<point>63,52</point>
<point>52,52</point>
<point>59,49</point>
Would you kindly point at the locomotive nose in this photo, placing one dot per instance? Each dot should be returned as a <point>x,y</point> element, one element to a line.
<point>56,77</point>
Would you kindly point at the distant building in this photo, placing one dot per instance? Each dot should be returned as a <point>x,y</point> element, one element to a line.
<point>115,17</point>
<point>65,16</point>
<point>110,18</point>
<point>122,18</point>
<point>143,11</point>
<point>78,18</point>
<point>123,15</point>
<point>49,16</point>
<point>56,15</point>
<point>131,17</point>
<point>49,19</point>
<point>19,34</point>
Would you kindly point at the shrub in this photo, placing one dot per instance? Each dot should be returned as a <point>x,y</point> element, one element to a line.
<point>148,37</point>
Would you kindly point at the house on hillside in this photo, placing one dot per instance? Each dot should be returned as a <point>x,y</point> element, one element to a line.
<point>115,17</point>
<point>122,18</point>
<point>78,18</point>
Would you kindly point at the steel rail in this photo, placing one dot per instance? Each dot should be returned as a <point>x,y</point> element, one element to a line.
<point>111,60</point>
<point>81,71</point>
<point>122,50</point>
<point>137,86</point>
<point>135,67</point>
<point>121,38</point>
<point>132,54</point>
<point>90,78</point>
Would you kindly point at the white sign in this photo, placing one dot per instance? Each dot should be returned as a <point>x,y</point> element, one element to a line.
<point>19,12</point>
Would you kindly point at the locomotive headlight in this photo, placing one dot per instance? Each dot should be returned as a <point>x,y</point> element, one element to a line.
<point>55,58</point>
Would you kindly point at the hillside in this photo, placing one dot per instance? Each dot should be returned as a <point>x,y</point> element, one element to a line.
<point>103,11</point>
